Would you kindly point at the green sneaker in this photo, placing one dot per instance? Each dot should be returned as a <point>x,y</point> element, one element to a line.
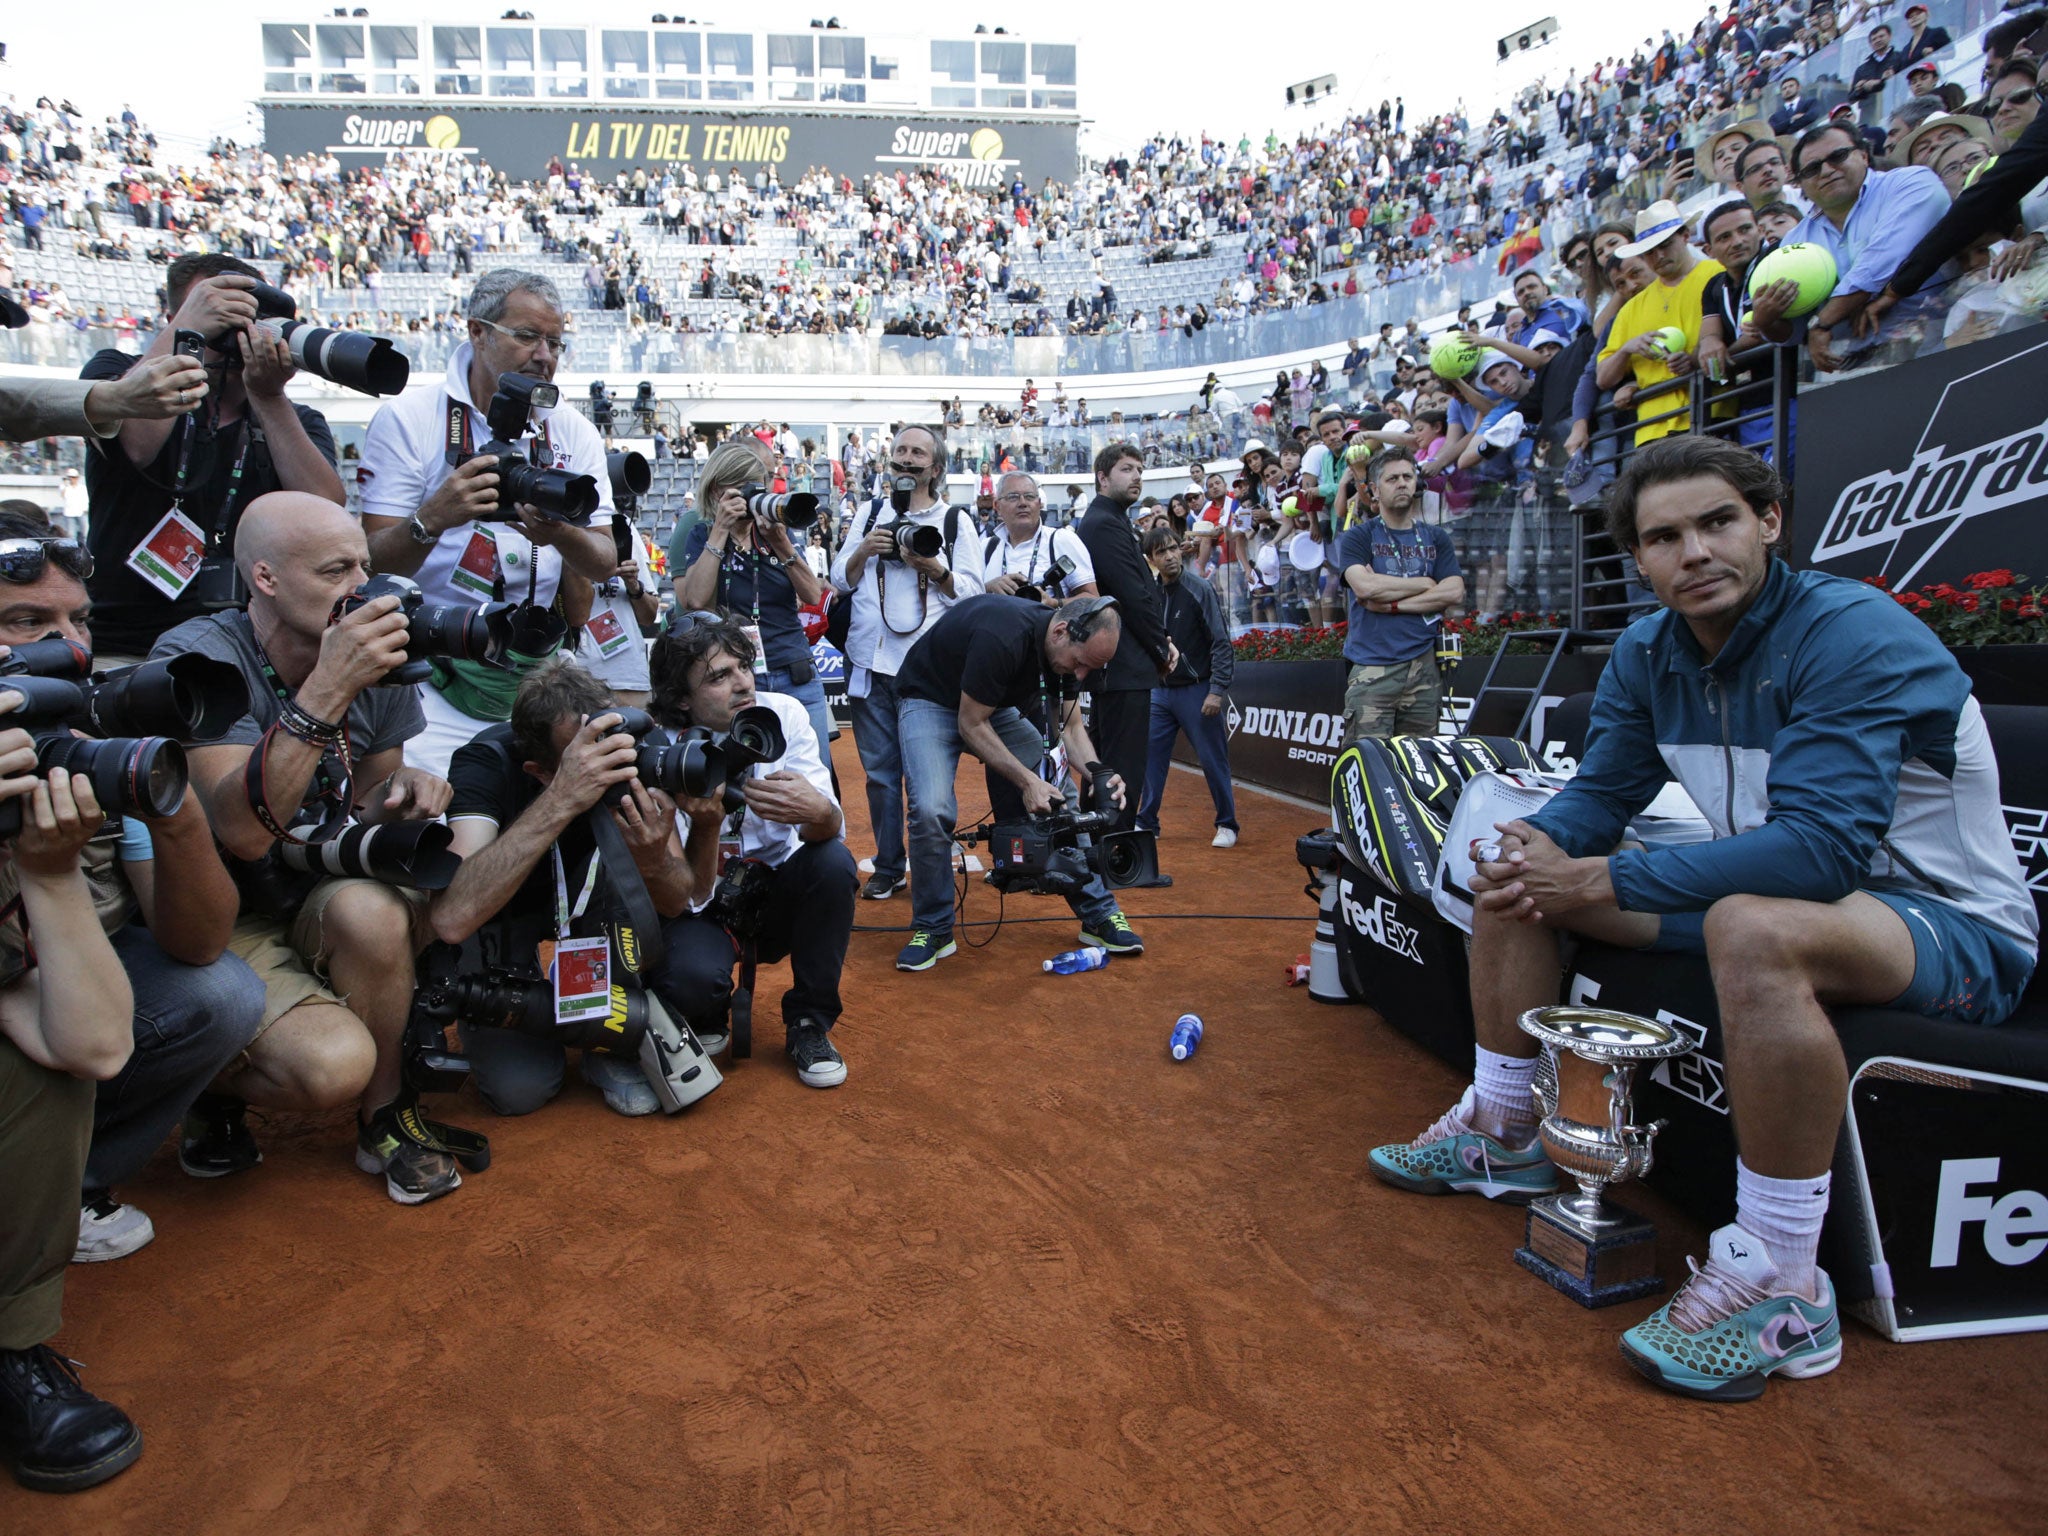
<point>1734,1324</point>
<point>925,950</point>
<point>400,1143</point>
<point>1113,933</point>
<point>1451,1158</point>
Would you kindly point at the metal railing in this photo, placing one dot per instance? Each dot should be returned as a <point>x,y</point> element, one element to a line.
<point>1753,405</point>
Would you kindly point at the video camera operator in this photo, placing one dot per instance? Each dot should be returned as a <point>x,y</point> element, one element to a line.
<point>167,492</point>
<point>322,741</point>
<point>166,904</point>
<point>443,525</point>
<point>967,685</point>
<point>899,590</point>
<point>520,794</point>
<point>64,1025</point>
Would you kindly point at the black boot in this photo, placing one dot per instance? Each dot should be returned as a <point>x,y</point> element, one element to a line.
<point>57,1436</point>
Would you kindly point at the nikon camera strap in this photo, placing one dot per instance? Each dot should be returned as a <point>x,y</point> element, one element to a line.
<point>631,919</point>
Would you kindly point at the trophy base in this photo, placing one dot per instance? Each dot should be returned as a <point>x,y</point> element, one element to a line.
<point>1595,1269</point>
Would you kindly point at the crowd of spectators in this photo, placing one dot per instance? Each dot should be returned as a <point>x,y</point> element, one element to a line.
<point>1370,200</point>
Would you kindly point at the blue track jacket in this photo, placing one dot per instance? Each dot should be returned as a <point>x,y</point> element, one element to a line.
<point>1833,745</point>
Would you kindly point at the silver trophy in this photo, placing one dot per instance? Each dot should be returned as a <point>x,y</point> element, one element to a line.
<point>1592,1250</point>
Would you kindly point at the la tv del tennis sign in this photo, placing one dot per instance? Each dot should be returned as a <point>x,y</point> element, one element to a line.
<point>1972,494</point>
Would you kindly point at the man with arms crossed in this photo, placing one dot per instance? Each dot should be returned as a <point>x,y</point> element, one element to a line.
<point>1402,577</point>
<point>1859,856</point>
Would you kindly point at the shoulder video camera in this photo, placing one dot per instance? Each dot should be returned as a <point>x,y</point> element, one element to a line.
<point>557,493</point>
<point>496,634</point>
<point>137,716</point>
<point>1048,854</point>
<point>353,359</point>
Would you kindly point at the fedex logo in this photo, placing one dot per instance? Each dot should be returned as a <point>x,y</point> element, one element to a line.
<point>2015,1224</point>
<point>1380,922</point>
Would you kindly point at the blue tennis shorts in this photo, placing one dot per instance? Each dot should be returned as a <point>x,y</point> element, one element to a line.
<point>1964,971</point>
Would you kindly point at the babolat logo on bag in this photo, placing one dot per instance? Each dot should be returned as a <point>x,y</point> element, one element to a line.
<point>1385,828</point>
<point>1380,922</point>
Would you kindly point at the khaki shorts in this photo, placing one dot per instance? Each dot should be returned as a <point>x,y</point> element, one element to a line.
<point>1403,699</point>
<point>292,961</point>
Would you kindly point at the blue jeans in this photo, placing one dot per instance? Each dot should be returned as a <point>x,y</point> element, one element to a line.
<point>190,1021</point>
<point>1175,710</point>
<point>881,757</point>
<point>812,696</point>
<point>931,746</point>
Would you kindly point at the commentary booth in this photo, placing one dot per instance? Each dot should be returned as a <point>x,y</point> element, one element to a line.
<point>1925,474</point>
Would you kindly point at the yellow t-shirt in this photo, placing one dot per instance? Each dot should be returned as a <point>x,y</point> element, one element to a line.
<point>1657,306</point>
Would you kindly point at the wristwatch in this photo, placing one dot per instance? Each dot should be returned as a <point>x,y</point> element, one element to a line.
<point>421,534</point>
<point>635,591</point>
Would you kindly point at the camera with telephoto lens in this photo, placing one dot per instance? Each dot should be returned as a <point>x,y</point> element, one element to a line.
<point>701,764</point>
<point>353,359</point>
<point>497,634</point>
<point>792,509</point>
<point>1056,575</point>
<point>557,494</point>
<point>635,1026</point>
<point>908,538</point>
<point>136,716</point>
<point>416,854</point>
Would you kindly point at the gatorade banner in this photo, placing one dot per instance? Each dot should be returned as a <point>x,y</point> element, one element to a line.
<point>1929,471</point>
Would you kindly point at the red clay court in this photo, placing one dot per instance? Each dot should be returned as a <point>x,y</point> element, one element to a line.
<point>1023,1273</point>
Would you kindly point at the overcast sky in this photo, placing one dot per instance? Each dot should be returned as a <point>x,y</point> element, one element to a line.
<point>1143,68</point>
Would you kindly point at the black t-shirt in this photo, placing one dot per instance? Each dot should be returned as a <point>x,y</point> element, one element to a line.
<point>989,648</point>
<point>128,613</point>
<point>488,780</point>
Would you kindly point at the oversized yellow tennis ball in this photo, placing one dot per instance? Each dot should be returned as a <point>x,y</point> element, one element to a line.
<point>1453,356</point>
<point>442,132</point>
<point>1810,266</point>
<point>986,144</point>
<point>1670,340</point>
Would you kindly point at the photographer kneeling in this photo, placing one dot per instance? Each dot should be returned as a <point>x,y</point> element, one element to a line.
<point>322,741</point>
<point>521,793</point>
<point>790,890</point>
<point>966,684</point>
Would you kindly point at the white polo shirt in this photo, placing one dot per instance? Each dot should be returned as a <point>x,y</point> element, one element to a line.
<point>1028,561</point>
<point>405,460</point>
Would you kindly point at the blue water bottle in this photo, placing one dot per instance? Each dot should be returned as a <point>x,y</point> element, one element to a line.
<point>1187,1034</point>
<point>1093,958</point>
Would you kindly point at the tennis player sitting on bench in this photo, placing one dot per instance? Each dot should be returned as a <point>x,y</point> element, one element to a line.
<point>1859,856</point>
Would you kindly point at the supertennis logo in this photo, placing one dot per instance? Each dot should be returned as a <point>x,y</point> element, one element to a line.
<point>971,156</point>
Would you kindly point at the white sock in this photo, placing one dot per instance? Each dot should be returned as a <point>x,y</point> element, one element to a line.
<point>1787,1215</point>
<point>1503,1106</point>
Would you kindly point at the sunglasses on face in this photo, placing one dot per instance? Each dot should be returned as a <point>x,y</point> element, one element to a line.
<point>2018,98</point>
<point>1838,159</point>
<point>22,560</point>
